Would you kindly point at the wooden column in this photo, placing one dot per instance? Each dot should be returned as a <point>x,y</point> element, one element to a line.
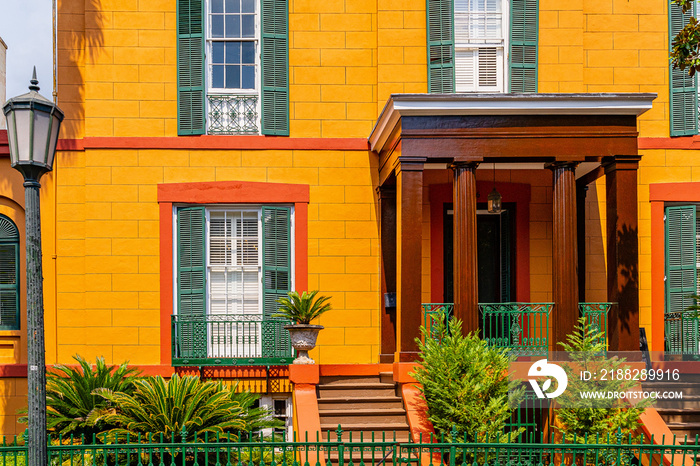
<point>409,219</point>
<point>564,253</point>
<point>581,190</point>
<point>623,252</point>
<point>387,225</point>
<point>466,285</point>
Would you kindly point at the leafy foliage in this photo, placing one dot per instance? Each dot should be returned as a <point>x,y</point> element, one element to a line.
<point>70,397</point>
<point>181,404</point>
<point>685,47</point>
<point>465,384</point>
<point>302,309</point>
<point>595,417</point>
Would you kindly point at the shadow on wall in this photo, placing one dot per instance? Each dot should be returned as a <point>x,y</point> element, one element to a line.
<point>80,43</point>
<point>627,247</point>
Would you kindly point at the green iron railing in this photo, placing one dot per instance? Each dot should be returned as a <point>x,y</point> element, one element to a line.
<point>182,449</point>
<point>521,327</point>
<point>596,315</point>
<point>230,340</point>
<point>232,114</point>
<point>682,332</point>
<point>434,313</point>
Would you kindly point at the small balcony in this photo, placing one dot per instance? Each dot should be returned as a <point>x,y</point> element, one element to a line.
<point>523,328</point>
<point>230,340</point>
<point>682,330</point>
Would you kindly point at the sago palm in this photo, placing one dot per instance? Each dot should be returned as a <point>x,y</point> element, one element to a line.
<point>70,401</point>
<point>302,309</point>
<point>170,407</point>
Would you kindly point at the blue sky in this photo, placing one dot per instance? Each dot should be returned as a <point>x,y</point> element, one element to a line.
<point>25,26</point>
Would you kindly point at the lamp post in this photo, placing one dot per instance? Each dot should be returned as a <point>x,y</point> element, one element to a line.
<point>32,130</point>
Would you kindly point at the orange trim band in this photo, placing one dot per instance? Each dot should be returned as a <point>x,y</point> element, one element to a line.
<point>213,142</point>
<point>20,370</point>
<point>687,142</point>
<point>225,192</point>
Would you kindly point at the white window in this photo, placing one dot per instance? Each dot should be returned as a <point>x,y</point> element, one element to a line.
<point>281,408</point>
<point>480,45</point>
<point>233,66</point>
<point>232,264</point>
<point>234,276</point>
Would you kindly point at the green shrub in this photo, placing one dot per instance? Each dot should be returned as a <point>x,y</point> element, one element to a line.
<point>595,417</point>
<point>70,397</point>
<point>465,384</point>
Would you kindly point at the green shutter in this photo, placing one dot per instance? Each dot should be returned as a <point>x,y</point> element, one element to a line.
<point>681,257</point>
<point>190,67</point>
<point>9,274</point>
<point>441,46</point>
<point>277,276</point>
<point>523,45</point>
<point>684,88</point>
<point>275,68</point>
<point>191,286</point>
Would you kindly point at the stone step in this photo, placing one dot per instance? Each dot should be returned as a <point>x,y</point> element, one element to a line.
<point>363,416</point>
<point>344,379</point>
<point>356,390</point>
<point>677,415</point>
<point>388,433</point>
<point>349,402</point>
<point>386,377</point>
<point>690,402</point>
<point>681,429</point>
<point>686,388</point>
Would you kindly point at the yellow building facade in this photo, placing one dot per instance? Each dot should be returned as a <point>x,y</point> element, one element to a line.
<point>110,265</point>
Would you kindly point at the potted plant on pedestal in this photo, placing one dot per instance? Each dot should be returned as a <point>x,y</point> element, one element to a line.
<point>302,310</point>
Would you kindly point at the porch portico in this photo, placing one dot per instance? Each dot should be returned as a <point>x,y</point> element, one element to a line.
<point>594,133</point>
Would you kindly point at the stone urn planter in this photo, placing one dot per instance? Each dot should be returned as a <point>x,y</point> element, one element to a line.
<point>303,337</point>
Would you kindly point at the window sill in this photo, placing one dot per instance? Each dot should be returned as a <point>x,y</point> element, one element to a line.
<point>11,333</point>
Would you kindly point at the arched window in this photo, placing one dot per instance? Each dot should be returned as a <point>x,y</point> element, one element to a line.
<point>9,274</point>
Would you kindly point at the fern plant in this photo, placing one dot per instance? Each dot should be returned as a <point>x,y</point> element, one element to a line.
<point>302,309</point>
<point>70,397</point>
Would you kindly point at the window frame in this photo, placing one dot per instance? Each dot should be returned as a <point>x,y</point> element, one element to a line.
<point>14,241</point>
<point>258,209</point>
<point>502,68</point>
<point>171,195</point>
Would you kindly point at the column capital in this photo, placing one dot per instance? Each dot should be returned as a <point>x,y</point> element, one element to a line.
<point>409,164</point>
<point>561,164</point>
<point>468,165</point>
<point>620,162</point>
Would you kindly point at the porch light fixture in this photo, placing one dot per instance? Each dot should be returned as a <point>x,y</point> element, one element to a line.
<point>494,197</point>
<point>33,122</point>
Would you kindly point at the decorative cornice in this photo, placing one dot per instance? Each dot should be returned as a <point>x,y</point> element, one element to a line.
<point>400,105</point>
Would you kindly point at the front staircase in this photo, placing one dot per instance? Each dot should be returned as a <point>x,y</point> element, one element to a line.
<point>365,407</point>
<point>682,416</point>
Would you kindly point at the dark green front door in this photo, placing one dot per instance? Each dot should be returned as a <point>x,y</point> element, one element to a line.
<point>494,252</point>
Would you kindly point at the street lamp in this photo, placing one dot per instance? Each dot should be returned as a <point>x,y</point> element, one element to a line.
<point>32,131</point>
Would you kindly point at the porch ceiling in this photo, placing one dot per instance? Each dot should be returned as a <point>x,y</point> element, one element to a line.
<point>506,127</point>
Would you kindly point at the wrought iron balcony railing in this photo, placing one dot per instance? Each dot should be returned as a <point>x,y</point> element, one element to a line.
<point>521,327</point>
<point>214,340</point>
<point>232,114</point>
<point>682,332</point>
<point>596,315</point>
